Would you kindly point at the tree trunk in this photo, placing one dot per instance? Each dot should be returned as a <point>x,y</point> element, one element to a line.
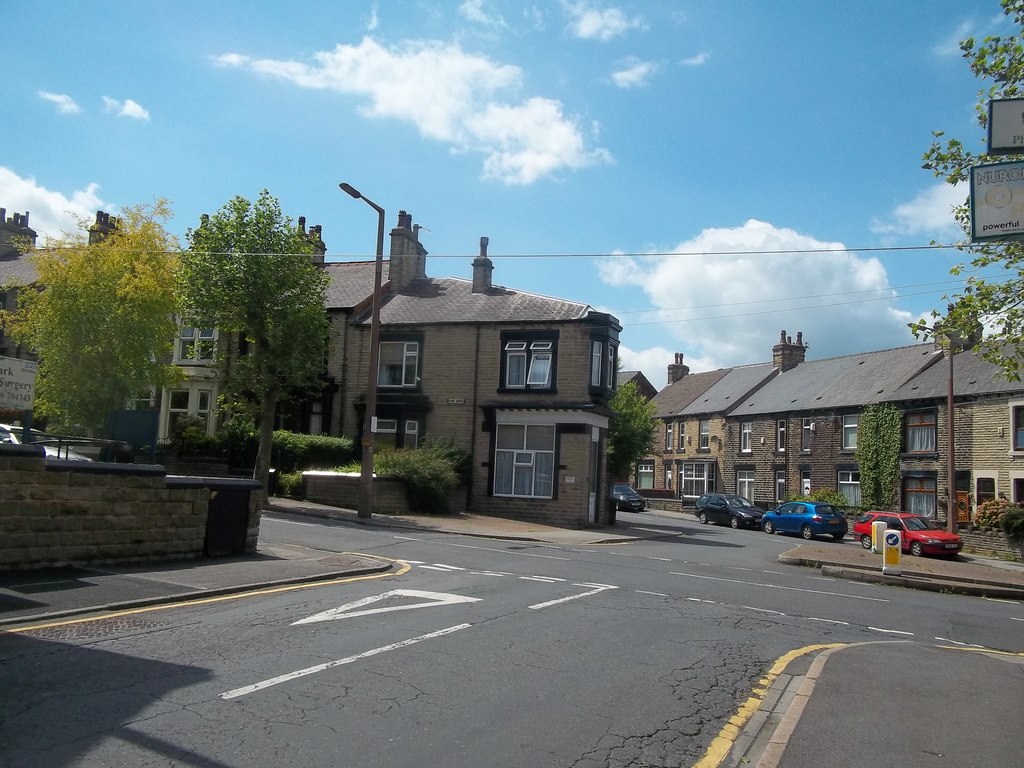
<point>261,472</point>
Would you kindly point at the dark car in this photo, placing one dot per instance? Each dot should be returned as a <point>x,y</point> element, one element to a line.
<point>808,518</point>
<point>627,499</point>
<point>921,536</point>
<point>737,511</point>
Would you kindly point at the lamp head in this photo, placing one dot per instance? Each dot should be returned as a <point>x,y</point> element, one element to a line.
<point>346,187</point>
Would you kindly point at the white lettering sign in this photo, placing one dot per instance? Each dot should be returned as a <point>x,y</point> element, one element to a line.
<point>997,202</point>
<point>17,383</point>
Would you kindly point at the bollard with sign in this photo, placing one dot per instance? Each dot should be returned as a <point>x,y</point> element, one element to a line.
<point>878,529</point>
<point>892,548</point>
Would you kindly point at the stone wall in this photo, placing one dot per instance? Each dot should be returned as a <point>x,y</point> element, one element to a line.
<point>992,544</point>
<point>55,512</point>
<point>336,489</point>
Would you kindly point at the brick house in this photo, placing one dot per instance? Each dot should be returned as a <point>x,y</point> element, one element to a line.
<point>15,270</point>
<point>646,390</point>
<point>520,381</point>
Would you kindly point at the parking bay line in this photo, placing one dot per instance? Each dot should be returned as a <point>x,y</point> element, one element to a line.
<point>779,586</point>
<point>234,694</point>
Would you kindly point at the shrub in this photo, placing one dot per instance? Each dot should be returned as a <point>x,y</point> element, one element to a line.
<point>989,514</point>
<point>293,451</point>
<point>1013,523</point>
<point>289,484</point>
<point>824,496</point>
<point>190,438</point>
<point>430,476</point>
<point>240,441</point>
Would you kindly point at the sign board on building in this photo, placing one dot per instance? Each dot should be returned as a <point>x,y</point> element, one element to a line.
<point>17,383</point>
<point>1006,127</point>
<point>997,201</point>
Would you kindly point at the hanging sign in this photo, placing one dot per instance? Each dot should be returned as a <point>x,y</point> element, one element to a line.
<point>17,383</point>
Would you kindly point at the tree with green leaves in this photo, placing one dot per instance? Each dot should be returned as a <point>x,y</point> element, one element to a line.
<point>631,430</point>
<point>998,304</point>
<point>249,272</point>
<point>101,317</point>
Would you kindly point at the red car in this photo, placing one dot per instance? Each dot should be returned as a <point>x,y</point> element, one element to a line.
<point>921,536</point>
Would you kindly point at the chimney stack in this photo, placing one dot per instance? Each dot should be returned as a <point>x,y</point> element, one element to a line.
<point>105,224</point>
<point>14,229</point>
<point>408,260</point>
<point>786,354</point>
<point>677,370</point>
<point>482,269</point>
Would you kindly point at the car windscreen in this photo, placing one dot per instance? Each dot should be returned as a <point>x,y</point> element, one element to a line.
<point>740,501</point>
<point>623,489</point>
<point>919,524</point>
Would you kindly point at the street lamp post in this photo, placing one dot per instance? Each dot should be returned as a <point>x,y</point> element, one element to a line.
<point>366,468</point>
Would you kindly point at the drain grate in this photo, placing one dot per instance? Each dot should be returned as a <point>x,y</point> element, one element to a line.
<point>89,630</point>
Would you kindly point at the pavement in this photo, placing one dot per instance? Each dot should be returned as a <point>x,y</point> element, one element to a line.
<point>773,722</point>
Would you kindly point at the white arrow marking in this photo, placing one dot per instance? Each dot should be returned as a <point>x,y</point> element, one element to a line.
<point>433,600</point>
<point>338,662</point>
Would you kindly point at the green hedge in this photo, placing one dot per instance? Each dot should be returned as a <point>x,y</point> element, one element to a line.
<point>293,452</point>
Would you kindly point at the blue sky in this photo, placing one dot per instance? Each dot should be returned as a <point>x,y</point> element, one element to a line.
<point>711,173</point>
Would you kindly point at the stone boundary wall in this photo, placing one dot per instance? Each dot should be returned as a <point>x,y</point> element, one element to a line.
<point>336,489</point>
<point>992,543</point>
<point>55,512</point>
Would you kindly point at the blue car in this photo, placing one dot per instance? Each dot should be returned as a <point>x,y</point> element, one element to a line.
<point>808,518</point>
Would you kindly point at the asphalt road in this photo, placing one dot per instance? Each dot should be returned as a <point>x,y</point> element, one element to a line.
<point>472,653</point>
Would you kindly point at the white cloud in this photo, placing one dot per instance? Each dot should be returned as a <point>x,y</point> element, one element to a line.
<point>457,102</point>
<point>950,46</point>
<point>374,20</point>
<point>929,214</point>
<point>726,305</point>
<point>50,213</point>
<point>126,108</point>
<point>634,73</point>
<point>587,22</point>
<point>474,11</point>
<point>65,104</point>
<point>698,60</point>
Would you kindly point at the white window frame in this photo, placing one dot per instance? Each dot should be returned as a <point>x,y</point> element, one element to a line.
<point>668,436</point>
<point>704,439</point>
<point>920,437</point>
<point>536,362</point>
<point>195,345</point>
<point>806,431</point>
<point>408,369</point>
<point>610,378</point>
<point>745,483</point>
<point>849,486</point>
<point>780,485</point>
<point>188,401</point>
<point>697,478</point>
<point>596,358</point>
<point>850,423</point>
<point>780,435</point>
<point>644,474</point>
<point>411,438</point>
<point>1017,427</point>
<point>529,461</point>
<point>746,437</point>
<point>668,477</point>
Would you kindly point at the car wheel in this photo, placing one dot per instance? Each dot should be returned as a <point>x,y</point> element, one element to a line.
<point>865,541</point>
<point>916,549</point>
<point>703,518</point>
<point>734,523</point>
<point>838,536</point>
<point>769,528</point>
<point>806,532</point>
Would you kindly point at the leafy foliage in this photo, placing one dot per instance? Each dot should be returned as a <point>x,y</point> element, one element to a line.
<point>289,484</point>
<point>879,441</point>
<point>631,431</point>
<point>1013,523</point>
<point>997,304</point>
<point>823,496</point>
<point>293,451</point>
<point>989,514</point>
<point>102,317</point>
<point>429,473</point>
<point>249,272</point>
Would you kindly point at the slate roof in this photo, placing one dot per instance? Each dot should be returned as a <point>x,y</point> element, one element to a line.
<point>451,300</point>
<point>351,282</point>
<point>676,396</point>
<point>731,389</point>
<point>644,387</point>
<point>850,381</point>
<point>971,376</point>
<point>18,269</point>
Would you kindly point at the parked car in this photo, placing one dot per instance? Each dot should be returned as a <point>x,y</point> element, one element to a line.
<point>921,536</point>
<point>737,511</point>
<point>53,447</point>
<point>627,499</point>
<point>808,518</point>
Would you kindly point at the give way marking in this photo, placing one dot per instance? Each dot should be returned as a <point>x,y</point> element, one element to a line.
<point>348,610</point>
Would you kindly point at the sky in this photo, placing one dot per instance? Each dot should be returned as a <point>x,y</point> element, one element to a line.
<point>710,173</point>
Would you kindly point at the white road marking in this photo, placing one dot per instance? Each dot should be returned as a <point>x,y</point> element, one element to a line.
<point>442,567</point>
<point>233,694</point>
<point>599,588</point>
<point>662,559</point>
<point>489,573</point>
<point>828,621</point>
<point>1014,618</point>
<point>347,611</point>
<point>762,610</point>
<point>545,579</point>
<point>738,568</point>
<point>774,573</point>
<point>1001,600</point>
<point>957,642</point>
<point>891,631</point>
<point>656,594</point>
<point>778,586</point>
